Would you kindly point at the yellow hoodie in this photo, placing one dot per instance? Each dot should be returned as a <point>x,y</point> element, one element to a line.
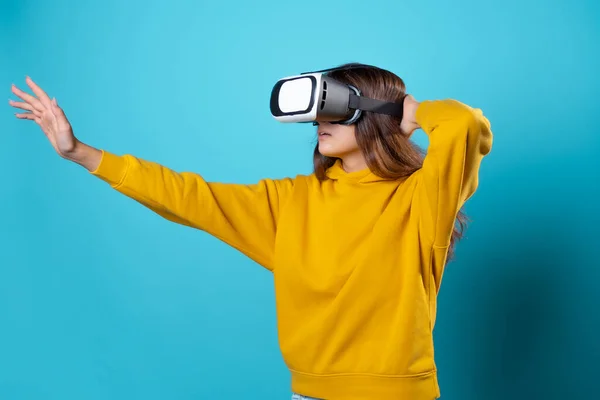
<point>357,260</point>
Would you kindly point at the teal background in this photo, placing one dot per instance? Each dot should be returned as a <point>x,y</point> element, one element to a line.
<point>102,299</point>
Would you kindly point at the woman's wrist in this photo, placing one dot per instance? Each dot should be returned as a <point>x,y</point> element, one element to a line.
<point>86,156</point>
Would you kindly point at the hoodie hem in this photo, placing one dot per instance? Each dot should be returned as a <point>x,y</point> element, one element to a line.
<point>366,387</point>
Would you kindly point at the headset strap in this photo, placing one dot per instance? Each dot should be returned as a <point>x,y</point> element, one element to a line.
<point>347,67</point>
<point>376,106</point>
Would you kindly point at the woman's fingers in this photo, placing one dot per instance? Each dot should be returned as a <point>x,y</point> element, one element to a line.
<point>30,116</point>
<point>28,98</point>
<point>23,106</point>
<point>38,92</point>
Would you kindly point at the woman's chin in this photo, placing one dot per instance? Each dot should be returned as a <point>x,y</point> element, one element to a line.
<point>327,151</point>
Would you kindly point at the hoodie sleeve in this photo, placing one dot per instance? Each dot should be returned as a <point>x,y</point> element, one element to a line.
<point>459,138</point>
<point>243,216</point>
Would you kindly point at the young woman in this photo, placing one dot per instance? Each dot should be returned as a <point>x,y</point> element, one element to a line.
<point>357,248</point>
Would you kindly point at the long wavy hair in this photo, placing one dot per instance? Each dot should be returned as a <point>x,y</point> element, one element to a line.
<point>388,151</point>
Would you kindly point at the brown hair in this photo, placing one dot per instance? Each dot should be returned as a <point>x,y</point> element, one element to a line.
<point>388,151</point>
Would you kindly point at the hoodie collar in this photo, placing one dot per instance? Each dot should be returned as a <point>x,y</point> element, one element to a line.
<point>337,172</point>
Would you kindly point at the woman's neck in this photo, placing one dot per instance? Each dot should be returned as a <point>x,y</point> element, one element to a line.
<point>354,162</point>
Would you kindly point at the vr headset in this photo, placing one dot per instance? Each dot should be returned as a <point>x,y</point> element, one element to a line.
<point>316,97</point>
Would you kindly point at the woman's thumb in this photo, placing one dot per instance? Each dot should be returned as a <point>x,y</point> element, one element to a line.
<point>55,108</point>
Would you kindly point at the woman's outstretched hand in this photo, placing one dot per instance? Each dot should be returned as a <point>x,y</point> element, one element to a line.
<point>46,113</point>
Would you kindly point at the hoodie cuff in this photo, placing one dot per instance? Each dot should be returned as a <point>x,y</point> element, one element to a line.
<point>112,168</point>
<point>424,110</point>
